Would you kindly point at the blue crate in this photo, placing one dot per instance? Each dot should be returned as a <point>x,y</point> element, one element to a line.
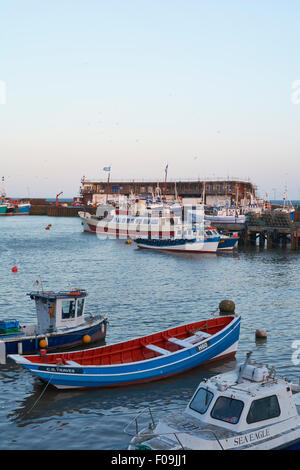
<point>7,324</point>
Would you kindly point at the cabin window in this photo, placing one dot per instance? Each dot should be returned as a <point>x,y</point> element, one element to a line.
<point>201,400</point>
<point>80,304</point>
<point>227,409</point>
<point>68,309</point>
<point>264,408</point>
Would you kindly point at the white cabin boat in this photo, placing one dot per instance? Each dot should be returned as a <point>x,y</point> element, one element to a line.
<point>154,221</point>
<point>231,216</point>
<point>246,409</point>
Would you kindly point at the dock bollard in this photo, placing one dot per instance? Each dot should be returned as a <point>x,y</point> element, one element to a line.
<point>227,307</point>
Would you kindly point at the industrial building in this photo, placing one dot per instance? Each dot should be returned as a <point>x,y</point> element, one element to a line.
<point>211,192</point>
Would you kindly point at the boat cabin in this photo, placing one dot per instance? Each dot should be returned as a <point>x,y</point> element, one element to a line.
<point>57,311</point>
<point>256,400</point>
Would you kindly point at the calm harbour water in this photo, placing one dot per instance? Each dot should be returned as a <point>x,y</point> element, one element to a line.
<point>142,292</point>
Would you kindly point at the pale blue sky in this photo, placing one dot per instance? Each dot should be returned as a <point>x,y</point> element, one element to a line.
<point>203,85</point>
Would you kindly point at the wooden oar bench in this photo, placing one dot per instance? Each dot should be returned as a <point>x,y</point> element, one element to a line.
<point>185,343</point>
<point>157,349</point>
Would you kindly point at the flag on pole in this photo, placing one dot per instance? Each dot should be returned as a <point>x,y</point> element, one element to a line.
<point>107,168</point>
<point>166,171</point>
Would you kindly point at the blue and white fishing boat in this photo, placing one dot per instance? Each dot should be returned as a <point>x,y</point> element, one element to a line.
<point>9,207</point>
<point>21,208</point>
<point>61,323</point>
<point>228,242</point>
<point>187,240</point>
<point>247,409</point>
<point>138,360</point>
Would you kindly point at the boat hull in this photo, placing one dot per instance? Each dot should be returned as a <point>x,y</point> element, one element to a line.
<point>28,345</point>
<point>230,219</point>
<point>73,375</point>
<point>3,209</point>
<point>227,244</point>
<point>198,247</point>
<point>22,209</point>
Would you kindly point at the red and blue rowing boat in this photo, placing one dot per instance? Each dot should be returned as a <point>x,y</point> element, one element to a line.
<point>139,360</point>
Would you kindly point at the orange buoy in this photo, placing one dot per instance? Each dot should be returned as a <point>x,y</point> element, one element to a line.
<point>86,339</point>
<point>43,343</point>
<point>14,269</point>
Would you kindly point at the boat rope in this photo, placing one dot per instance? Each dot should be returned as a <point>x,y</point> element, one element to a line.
<point>39,397</point>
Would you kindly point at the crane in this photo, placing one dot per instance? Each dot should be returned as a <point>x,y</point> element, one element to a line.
<point>57,197</point>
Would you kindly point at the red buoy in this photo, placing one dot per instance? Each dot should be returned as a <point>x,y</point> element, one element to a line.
<point>14,269</point>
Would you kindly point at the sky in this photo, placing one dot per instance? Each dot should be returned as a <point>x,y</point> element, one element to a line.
<point>211,88</point>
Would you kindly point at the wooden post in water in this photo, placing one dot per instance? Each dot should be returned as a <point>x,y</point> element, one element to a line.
<point>295,240</point>
<point>262,239</point>
<point>284,240</point>
<point>253,238</point>
<point>269,240</point>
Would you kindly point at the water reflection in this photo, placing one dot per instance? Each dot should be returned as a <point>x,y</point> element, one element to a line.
<point>45,402</point>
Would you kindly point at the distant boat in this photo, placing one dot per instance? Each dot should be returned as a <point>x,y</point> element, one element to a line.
<point>225,216</point>
<point>14,208</point>
<point>3,208</point>
<point>22,208</point>
<point>144,359</point>
<point>120,223</point>
<point>228,242</point>
<point>185,241</point>
<point>61,322</point>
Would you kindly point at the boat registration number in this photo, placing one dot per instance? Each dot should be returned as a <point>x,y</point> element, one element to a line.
<point>202,346</point>
<point>62,370</point>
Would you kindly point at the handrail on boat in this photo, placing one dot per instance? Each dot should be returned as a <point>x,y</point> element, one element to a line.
<point>136,421</point>
<point>152,424</point>
<point>175,434</point>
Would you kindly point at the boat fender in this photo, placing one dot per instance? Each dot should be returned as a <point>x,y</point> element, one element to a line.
<point>43,343</point>
<point>43,352</point>
<point>86,339</point>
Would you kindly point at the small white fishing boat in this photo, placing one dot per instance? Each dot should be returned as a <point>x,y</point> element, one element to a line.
<point>246,409</point>
<point>226,216</point>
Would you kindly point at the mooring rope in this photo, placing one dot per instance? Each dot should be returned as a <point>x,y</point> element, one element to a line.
<point>39,397</point>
